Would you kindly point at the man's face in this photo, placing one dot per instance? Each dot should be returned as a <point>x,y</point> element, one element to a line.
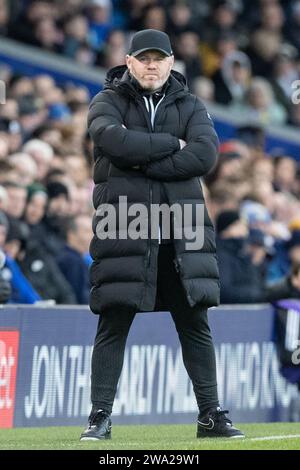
<point>58,206</point>
<point>151,69</point>
<point>16,201</point>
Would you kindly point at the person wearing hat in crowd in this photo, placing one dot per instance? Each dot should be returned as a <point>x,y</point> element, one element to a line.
<point>36,204</point>
<point>71,259</point>
<point>241,271</point>
<point>16,239</point>
<point>287,256</point>
<point>36,262</point>
<point>50,232</point>
<point>240,279</point>
<point>153,140</point>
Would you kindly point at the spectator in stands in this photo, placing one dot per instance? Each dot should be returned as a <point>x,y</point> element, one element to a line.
<point>16,199</point>
<point>36,204</point>
<point>4,17</point>
<point>80,201</point>
<point>32,114</point>
<point>155,18</point>
<point>58,204</point>
<point>259,105</point>
<point>9,112</point>
<point>43,84</point>
<point>258,249</point>
<point>25,166</point>
<point>292,28</point>
<point>22,290</point>
<point>7,173</point>
<point>287,256</point>
<point>258,216</point>
<point>285,72</point>
<point>222,197</point>
<point>59,113</point>
<point>33,12</point>
<point>37,264</point>
<point>114,51</point>
<point>47,36</point>
<point>42,153</point>
<point>286,174</point>
<point>42,271</point>
<point>11,135</point>
<point>71,259</point>
<point>242,281</point>
<point>230,167</point>
<point>182,19</point>
<point>204,88</point>
<point>188,51</point>
<point>263,49</point>
<point>76,34</point>
<point>3,198</point>
<point>263,170</point>
<point>232,79</point>
<point>136,10</point>
<point>294,116</point>
<point>5,288</point>
<point>99,16</point>
<point>50,233</point>
<point>77,169</point>
<point>4,149</point>
<point>223,19</point>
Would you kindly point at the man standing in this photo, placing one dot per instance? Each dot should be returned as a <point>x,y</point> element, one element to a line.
<point>152,141</point>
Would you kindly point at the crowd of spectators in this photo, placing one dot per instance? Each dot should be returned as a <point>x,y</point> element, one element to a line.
<point>241,54</point>
<point>45,190</point>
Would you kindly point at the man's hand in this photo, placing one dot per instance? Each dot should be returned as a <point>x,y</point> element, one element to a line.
<point>182,143</point>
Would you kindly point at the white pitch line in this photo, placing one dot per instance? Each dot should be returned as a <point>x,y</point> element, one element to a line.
<point>270,438</point>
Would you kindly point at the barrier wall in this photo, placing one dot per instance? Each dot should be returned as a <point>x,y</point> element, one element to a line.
<point>45,368</point>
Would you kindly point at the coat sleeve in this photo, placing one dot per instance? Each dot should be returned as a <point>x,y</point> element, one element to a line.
<point>197,158</point>
<point>124,147</point>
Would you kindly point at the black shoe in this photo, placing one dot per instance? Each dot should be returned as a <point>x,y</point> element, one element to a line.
<point>215,424</point>
<point>99,427</point>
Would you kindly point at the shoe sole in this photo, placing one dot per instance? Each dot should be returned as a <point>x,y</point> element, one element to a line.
<point>82,439</point>
<point>210,436</point>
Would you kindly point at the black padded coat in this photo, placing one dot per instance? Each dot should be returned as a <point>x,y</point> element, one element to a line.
<point>133,159</point>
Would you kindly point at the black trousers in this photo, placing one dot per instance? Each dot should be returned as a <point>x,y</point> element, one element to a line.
<point>192,328</point>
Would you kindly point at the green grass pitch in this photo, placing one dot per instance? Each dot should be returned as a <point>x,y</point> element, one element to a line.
<point>273,436</point>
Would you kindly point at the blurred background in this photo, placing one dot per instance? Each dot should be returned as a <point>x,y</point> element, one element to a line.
<point>240,57</point>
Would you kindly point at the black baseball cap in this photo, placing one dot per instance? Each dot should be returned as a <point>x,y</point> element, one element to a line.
<point>150,39</point>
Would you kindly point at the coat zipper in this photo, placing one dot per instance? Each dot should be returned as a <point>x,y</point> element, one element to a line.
<point>177,261</point>
<point>151,127</point>
<point>149,229</point>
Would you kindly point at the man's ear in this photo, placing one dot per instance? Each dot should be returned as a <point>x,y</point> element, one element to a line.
<point>128,60</point>
<point>172,60</point>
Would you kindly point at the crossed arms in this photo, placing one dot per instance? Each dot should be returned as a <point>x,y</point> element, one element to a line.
<point>160,156</point>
